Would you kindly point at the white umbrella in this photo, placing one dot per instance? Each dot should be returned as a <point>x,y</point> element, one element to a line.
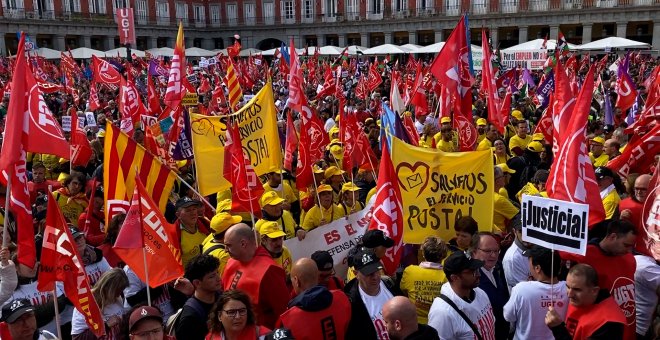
<point>86,53</point>
<point>121,51</point>
<point>198,52</point>
<point>411,48</point>
<point>433,48</point>
<point>246,52</point>
<point>536,45</point>
<point>354,49</point>
<point>385,49</point>
<point>613,42</point>
<point>48,53</point>
<point>162,51</point>
<point>268,52</point>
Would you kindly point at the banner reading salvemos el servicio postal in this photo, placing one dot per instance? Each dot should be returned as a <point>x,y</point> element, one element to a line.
<point>555,224</point>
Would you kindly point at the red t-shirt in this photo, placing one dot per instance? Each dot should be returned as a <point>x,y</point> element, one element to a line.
<point>636,209</point>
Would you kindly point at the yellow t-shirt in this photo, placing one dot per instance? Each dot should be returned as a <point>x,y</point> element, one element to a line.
<point>371,193</point>
<point>517,142</point>
<point>289,194</point>
<point>285,261</point>
<point>426,141</point>
<point>220,252</point>
<point>313,216</point>
<point>503,211</point>
<point>50,162</point>
<point>481,137</point>
<point>445,146</point>
<point>484,144</point>
<point>500,159</point>
<point>422,284</point>
<point>611,203</point>
<point>286,222</point>
<point>190,245</point>
<point>600,160</point>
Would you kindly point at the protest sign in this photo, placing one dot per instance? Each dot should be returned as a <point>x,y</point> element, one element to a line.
<point>437,188</point>
<point>147,121</point>
<point>126,26</point>
<point>66,123</point>
<point>555,224</point>
<point>190,99</point>
<point>91,120</point>
<point>257,122</point>
<point>532,60</point>
<point>183,148</point>
<point>336,237</point>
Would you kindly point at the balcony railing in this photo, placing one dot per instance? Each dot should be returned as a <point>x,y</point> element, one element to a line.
<point>449,8</point>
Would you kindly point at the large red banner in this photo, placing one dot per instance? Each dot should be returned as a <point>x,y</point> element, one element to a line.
<point>126,26</point>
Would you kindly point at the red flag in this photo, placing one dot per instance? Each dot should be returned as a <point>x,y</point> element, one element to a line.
<point>60,261</point>
<point>639,154</point>
<point>314,138</point>
<point>651,215</point>
<point>146,227</point>
<point>94,103</point>
<point>626,91</point>
<point>418,98</point>
<point>175,91</point>
<point>81,150</point>
<point>234,50</point>
<point>104,72</point>
<point>374,79</point>
<point>387,211</point>
<point>564,105</point>
<point>130,106</point>
<point>572,176</point>
<point>246,187</point>
<point>328,84</point>
<point>297,100</point>
<point>545,124</point>
<point>411,130</point>
<point>357,150</point>
<point>17,112</point>
<point>153,100</point>
<point>204,86</point>
<point>291,143</point>
<point>489,86</point>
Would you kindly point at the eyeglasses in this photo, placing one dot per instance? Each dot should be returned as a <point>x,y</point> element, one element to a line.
<point>490,252</point>
<point>232,313</point>
<point>641,189</point>
<point>149,333</point>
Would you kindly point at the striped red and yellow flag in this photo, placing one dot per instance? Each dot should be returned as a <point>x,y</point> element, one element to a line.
<point>235,92</point>
<point>122,157</point>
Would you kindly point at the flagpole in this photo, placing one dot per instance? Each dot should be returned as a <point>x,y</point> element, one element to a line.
<point>195,191</point>
<point>316,190</point>
<point>57,314</point>
<point>144,248</point>
<point>5,230</point>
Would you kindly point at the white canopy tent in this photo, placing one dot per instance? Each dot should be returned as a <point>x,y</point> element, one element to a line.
<point>162,51</point>
<point>196,52</point>
<point>612,43</point>
<point>356,49</point>
<point>271,52</point>
<point>47,53</point>
<point>386,49</point>
<point>247,52</point>
<point>121,51</point>
<point>536,45</point>
<point>411,48</point>
<point>86,53</point>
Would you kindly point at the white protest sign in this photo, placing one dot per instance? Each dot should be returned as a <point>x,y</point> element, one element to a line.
<point>89,117</point>
<point>147,121</point>
<point>555,224</point>
<point>66,123</point>
<point>532,60</point>
<point>337,237</point>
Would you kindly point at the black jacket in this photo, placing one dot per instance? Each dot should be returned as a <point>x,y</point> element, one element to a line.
<point>424,332</point>
<point>312,300</point>
<point>498,297</point>
<point>361,326</point>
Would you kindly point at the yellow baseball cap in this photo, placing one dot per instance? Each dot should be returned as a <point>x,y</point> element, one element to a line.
<point>333,171</point>
<point>538,137</point>
<point>444,120</point>
<point>223,205</point>
<point>505,168</point>
<point>482,122</point>
<point>333,130</point>
<point>517,114</point>
<point>323,188</point>
<point>599,140</point>
<point>535,146</point>
<point>223,220</point>
<point>100,134</point>
<point>270,198</point>
<point>271,229</point>
<point>407,114</point>
<point>350,186</point>
<point>337,151</point>
<point>318,169</point>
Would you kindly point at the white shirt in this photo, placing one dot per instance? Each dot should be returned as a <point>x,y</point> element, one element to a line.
<point>163,302</point>
<point>647,281</point>
<point>374,306</point>
<point>95,270</point>
<point>37,298</point>
<point>419,127</point>
<point>329,124</point>
<point>78,324</point>
<point>516,266</point>
<point>528,305</point>
<point>489,274</point>
<point>449,323</point>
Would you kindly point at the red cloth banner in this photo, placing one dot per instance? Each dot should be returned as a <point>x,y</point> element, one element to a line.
<point>126,26</point>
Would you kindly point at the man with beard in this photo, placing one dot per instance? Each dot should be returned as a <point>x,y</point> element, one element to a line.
<point>272,210</point>
<point>631,210</point>
<point>400,316</point>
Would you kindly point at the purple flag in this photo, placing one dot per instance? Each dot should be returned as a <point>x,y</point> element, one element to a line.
<point>155,69</point>
<point>632,114</point>
<point>609,114</point>
<point>527,78</point>
<point>543,92</point>
<point>183,149</point>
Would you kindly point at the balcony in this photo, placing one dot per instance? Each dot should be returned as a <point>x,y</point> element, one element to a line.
<point>14,13</point>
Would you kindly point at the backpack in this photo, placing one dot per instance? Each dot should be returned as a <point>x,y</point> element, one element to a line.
<point>170,325</point>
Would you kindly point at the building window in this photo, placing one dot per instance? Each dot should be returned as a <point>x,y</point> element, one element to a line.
<point>46,9</point>
<point>232,13</point>
<point>97,6</point>
<point>163,12</point>
<point>119,4</point>
<point>288,10</point>
<point>330,8</point>
<point>249,13</point>
<point>181,11</point>
<point>70,6</point>
<point>353,9</point>
<point>141,11</point>
<point>214,11</point>
<point>269,13</point>
<point>199,13</point>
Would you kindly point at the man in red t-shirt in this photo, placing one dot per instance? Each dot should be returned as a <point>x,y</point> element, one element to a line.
<point>631,210</point>
<point>39,185</point>
<point>615,264</point>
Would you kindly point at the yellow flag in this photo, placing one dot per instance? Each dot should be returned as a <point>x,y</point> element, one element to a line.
<point>439,187</point>
<point>257,122</point>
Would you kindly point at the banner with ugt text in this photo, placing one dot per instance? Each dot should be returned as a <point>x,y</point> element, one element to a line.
<point>555,224</point>
<point>257,123</point>
<point>437,188</point>
<point>336,237</point>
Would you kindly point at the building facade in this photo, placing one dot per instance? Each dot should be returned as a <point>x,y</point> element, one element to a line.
<point>263,24</point>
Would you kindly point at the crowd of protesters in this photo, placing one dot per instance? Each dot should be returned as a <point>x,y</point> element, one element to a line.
<point>478,285</point>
